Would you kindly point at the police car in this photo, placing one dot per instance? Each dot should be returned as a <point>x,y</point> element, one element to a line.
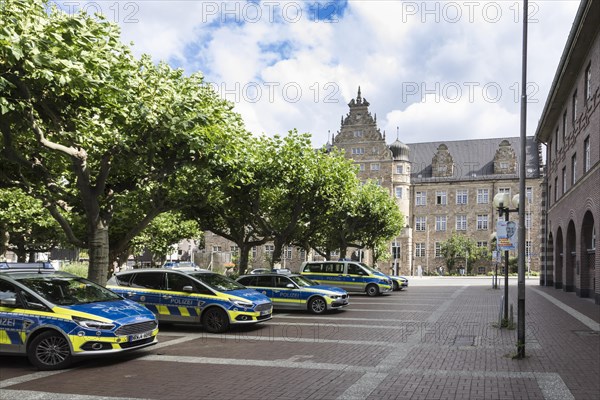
<point>53,317</point>
<point>211,300</point>
<point>296,292</point>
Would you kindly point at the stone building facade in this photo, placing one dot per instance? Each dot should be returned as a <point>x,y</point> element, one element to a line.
<point>440,187</point>
<point>570,128</point>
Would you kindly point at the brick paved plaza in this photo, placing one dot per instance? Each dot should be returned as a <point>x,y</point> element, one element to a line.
<point>436,340</point>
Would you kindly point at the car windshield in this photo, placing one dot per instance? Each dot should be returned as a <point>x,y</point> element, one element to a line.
<point>68,290</point>
<point>218,282</point>
<point>302,281</point>
<point>369,268</point>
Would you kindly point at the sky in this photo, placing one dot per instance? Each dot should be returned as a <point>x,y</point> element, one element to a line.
<point>431,70</point>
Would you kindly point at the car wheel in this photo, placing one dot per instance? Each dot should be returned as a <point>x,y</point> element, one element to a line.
<point>372,290</point>
<point>215,320</point>
<point>396,286</point>
<point>49,351</point>
<point>317,305</point>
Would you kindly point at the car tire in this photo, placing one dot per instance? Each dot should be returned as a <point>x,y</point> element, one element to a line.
<point>396,286</point>
<point>372,290</point>
<point>215,320</point>
<point>50,351</point>
<point>317,305</point>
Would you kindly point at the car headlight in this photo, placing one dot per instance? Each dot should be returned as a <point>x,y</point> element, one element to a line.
<point>242,303</point>
<point>91,324</point>
<point>335,296</point>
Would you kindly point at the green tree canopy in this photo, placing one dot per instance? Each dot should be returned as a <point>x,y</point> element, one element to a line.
<point>98,135</point>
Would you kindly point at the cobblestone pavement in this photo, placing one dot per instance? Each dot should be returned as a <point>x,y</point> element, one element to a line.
<point>436,340</point>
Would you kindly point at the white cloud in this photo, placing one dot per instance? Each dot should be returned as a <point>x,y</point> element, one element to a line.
<point>386,47</point>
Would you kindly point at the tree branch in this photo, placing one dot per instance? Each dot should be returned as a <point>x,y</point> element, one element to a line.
<point>65,225</point>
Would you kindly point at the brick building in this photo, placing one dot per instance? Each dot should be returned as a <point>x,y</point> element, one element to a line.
<point>570,128</point>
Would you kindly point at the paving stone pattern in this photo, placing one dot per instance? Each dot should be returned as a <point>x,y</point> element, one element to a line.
<point>432,341</point>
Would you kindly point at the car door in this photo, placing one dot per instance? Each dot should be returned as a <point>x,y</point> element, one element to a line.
<point>145,288</point>
<point>285,293</point>
<point>180,300</point>
<point>355,278</point>
<point>264,284</point>
<point>12,321</point>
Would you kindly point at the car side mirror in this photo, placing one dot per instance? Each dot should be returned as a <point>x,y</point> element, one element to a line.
<point>9,302</point>
<point>188,289</point>
<point>290,286</point>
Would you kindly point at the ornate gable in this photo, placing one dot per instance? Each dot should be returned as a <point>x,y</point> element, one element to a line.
<point>505,160</point>
<point>442,164</point>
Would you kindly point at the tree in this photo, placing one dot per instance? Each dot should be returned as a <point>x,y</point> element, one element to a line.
<point>378,217</point>
<point>460,247</point>
<point>164,231</point>
<point>98,135</point>
<point>233,207</point>
<point>26,226</point>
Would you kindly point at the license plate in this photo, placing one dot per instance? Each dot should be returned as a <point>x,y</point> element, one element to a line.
<point>140,336</point>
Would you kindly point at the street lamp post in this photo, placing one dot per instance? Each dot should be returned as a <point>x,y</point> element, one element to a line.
<point>502,202</point>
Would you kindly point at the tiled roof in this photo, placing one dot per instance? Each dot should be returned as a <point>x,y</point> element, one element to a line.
<point>473,159</point>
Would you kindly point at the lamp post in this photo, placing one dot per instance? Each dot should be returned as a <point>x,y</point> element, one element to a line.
<point>502,202</point>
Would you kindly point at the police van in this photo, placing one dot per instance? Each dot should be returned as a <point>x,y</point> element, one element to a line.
<point>349,275</point>
<point>53,317</point>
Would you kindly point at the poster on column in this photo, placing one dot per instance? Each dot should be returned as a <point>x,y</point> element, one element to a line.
<point>507,234</point>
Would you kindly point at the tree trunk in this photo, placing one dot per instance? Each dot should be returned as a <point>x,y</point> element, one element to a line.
<point>21,253</point>
<point>244,258</point>
<point>98,251</point>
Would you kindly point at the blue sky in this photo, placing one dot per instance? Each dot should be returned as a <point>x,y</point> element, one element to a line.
<point>437,70</point>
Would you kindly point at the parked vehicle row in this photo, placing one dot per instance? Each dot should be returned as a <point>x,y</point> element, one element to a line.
<point>54,317</point>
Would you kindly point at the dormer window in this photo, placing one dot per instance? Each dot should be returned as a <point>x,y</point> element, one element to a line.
<point>505,160</point>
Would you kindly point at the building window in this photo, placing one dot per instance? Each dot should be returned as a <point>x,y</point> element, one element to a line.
<point>573,169</point>
<point>269,249</point>
<point>504,190</point>
<point>421,223</point>
<point>358,133</point>
<point>361,167</point>
<point>462,197</point>
<point>574,108</point>
<point>302,254</point>
<point>216,249</point>
<point>254,252</point>
<point>399,192</point>
<point>399,169</point>
<point>549,161</point>
<point>287,252</point>
<point>529,194</point>
<point>549,194</point>
<point>593,238</point>
<point>586,155</point>
<point>461,222</point>
<point>421,198</point>
<point>440,198</point>
<point>358,150</point>
<point>481,270</point>
<point>440,222</point>
<point>482,244</point>
<point>588,82</point>
<point>528,220</point>
<point>483,196</point>
<point>528,249</point>
<point>556,189</point>
<point>556,141</point>
<point>438,249</point>
<point>564,180</point>
<point>234,250</point>
<point>564,127</point>
<point>375,167</point>
<point>419,249</point>
<point>482,222</point>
